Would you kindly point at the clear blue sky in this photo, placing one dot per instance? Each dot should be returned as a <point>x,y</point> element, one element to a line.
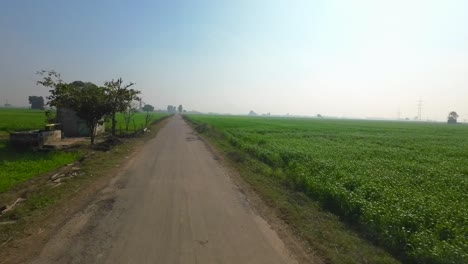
<point>342,58</point>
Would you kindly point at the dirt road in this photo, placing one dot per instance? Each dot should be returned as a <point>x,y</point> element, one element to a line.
<point>174,203</point>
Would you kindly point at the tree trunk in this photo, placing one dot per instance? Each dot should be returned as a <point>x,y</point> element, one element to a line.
<point>127,122</point>
<point>114,122</point>
<point>92,130</point>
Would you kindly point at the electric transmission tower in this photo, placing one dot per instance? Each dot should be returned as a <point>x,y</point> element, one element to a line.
<point>419,108</point>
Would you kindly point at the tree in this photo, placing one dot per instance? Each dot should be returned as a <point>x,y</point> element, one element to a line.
<point>51,115</point>
<point>452,117</point>
<point>252,113</point>
<point>180,108</point>
<point>171,109</point>
<point>59,90</point>
<point>89,101</point>
<point>148,108</point>
<point>128,114</point>
<point>120,98</point>
<point>37,102</point>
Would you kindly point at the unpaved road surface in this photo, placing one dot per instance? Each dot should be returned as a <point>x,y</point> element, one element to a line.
<point>173,203</point>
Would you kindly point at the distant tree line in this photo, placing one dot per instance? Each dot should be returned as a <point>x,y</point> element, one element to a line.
<point>173,109</point>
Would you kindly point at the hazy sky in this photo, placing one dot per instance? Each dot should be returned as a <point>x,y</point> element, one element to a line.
<point>343,58</point>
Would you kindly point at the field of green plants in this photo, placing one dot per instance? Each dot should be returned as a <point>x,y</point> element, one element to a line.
<point>19,166</point>
<point>404,183</point>
<point>18,119</point>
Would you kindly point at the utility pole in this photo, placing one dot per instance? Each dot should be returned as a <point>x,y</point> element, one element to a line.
<point>419,108</point>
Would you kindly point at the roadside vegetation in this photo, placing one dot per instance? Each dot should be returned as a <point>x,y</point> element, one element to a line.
<point>137,122</point>
<point>401,184</point>
<point>20,165</point>
<point>17,166</point>
<point>114,102</point>
<point>28,175</point>
<point>33,179</point>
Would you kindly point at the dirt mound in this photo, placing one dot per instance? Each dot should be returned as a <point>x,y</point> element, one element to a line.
<point>107,144</point>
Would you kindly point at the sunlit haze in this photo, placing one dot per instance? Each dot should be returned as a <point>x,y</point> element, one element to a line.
<point>335,58</point>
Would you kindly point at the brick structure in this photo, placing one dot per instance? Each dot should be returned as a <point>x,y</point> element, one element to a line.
<point>73,126</point>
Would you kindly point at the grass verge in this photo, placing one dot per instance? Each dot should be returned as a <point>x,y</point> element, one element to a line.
<point>19,166</point>
<point>328,236</point>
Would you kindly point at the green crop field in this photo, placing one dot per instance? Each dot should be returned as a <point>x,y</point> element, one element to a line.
<point>404,183</point>
<point>21,119</point>
<point>18,119</point>
<point>19,166</point>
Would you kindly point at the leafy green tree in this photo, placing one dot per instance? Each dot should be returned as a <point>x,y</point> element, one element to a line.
<point>59,90</point>
<point>51,115</point>
<point>120,98</point>
<point>452,117</point>
<point>89,101</point>
<point>180,108</point>
<point>148,108</point>
<point>37,102</point>
<point>128,115</point>
<point>171,109</point>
